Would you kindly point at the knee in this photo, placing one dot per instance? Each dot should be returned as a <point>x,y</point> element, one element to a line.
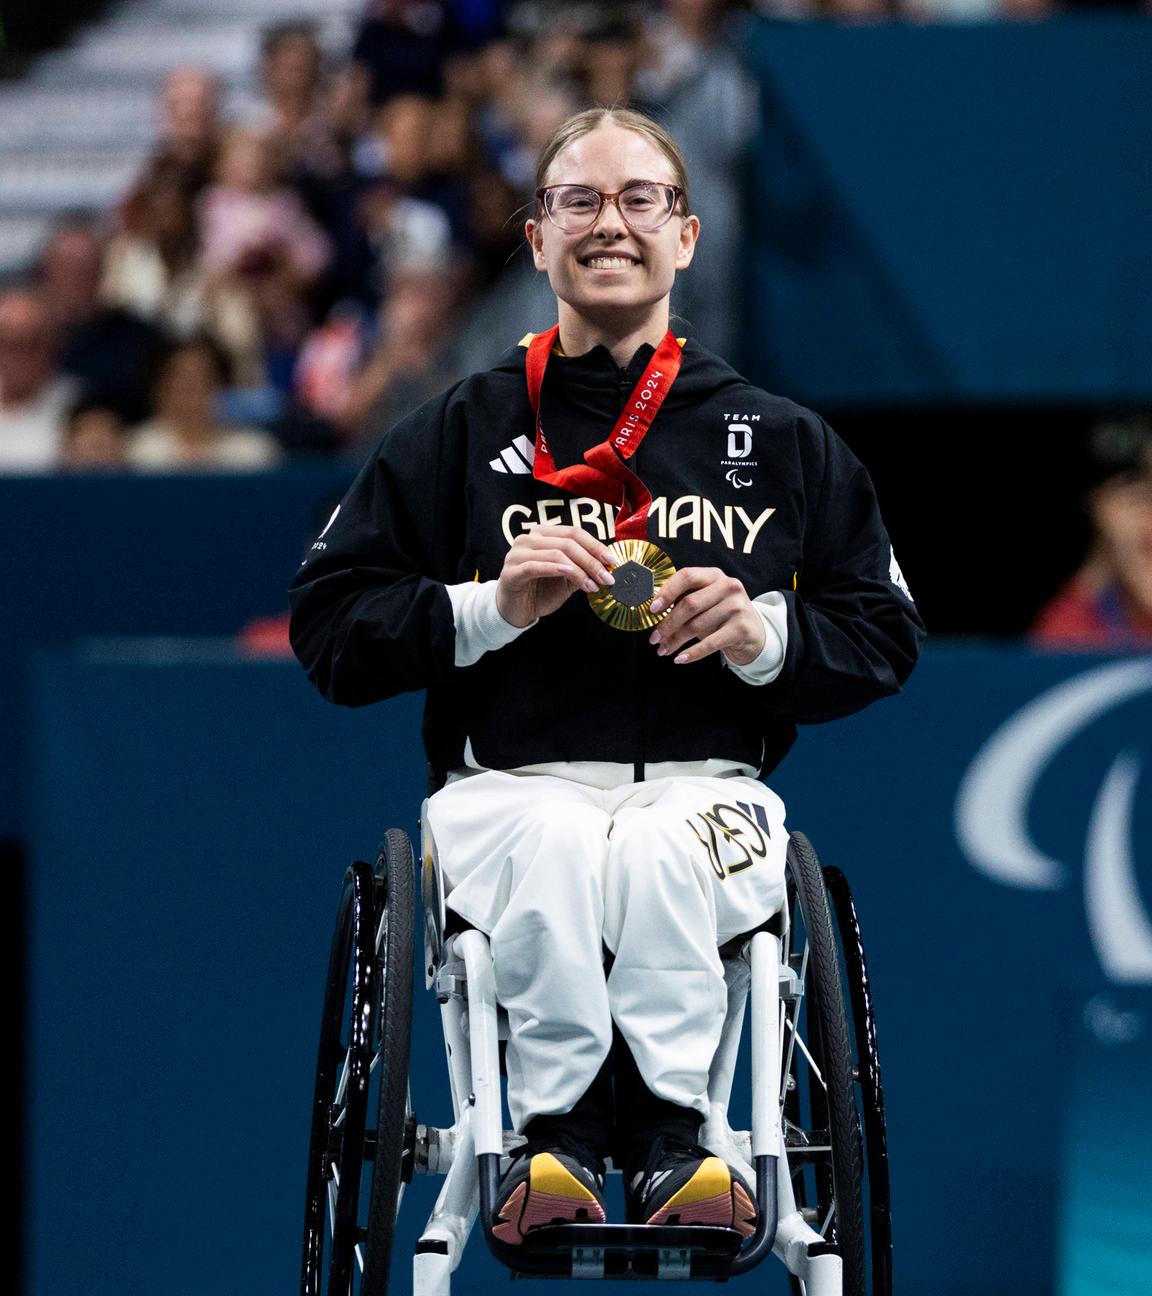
<point>569,837</point>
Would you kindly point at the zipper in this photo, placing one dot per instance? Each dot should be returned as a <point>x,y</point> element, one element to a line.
<point>641,695</point>
<point>625,383</point>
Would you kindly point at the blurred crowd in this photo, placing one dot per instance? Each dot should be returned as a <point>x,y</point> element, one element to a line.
<point>289,276</point>
<point>1107,602</point>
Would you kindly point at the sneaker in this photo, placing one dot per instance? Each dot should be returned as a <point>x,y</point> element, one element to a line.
<point>543,1188</point>
<point>683,1183</point>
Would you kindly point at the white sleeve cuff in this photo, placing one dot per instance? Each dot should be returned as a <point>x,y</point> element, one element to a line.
<point>479,626</point>
<point>764,668</point>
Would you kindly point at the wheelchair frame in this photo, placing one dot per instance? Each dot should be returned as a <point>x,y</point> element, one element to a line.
<point>812,1099</point>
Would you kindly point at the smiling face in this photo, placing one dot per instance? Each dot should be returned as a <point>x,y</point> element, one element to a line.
<point>612,280</point>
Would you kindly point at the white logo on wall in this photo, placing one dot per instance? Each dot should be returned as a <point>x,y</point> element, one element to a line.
<point>993,802</point>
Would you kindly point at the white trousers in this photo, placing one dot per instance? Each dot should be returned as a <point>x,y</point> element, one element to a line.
<point>659,872</point>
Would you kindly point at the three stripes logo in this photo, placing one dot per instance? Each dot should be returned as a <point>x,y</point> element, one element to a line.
<point>733,836</point>
<point>516,458</point>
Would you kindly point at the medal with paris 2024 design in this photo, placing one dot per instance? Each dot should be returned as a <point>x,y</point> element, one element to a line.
<point>641,567</point>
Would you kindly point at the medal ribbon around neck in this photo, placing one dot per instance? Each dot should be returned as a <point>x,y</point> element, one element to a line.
<point>605,476</point>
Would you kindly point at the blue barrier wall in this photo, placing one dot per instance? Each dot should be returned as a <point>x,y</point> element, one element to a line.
<point>951,212</point>
<point>129,555</point>
<point>192,815</point>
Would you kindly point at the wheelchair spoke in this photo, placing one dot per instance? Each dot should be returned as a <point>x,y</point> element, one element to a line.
<point>342,1087</point>
<point>790,1050</point>
<point>811,1061</point>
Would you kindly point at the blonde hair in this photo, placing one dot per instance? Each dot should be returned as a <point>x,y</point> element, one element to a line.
<point>583,123</point>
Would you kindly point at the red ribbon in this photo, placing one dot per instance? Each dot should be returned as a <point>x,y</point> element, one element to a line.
<point>604,475</point>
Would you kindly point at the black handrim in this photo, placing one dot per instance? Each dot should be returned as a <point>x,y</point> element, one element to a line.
<point>340,1102</point>
<point>828,1185</point>
<point>394,1126</point>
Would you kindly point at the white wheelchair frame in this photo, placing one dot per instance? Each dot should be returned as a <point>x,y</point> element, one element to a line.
<point>460,971</point>
<point>816,1139</point>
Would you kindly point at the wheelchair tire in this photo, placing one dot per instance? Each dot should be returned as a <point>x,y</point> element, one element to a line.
<point>395,1127</point>
<point>822,1103</point>
<point>364,1045</point>
<point>869,1081</point>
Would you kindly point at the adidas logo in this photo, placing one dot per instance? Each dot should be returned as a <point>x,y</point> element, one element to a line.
<point>516,458</point>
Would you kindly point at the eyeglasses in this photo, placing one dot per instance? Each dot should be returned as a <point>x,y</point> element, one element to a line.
<point>645,205</point>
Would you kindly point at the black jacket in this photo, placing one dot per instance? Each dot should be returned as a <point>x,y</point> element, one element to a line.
<point>740,480</point>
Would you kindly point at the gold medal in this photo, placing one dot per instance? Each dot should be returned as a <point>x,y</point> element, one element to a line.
<point>641,569</point>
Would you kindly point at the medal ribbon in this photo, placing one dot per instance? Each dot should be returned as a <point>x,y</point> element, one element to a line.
<point>604,475</point>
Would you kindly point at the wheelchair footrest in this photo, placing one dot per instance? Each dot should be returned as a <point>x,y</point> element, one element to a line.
<point>618,1251</point>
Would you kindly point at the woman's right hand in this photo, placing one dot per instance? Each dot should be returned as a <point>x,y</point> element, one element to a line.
<point>545,566</point>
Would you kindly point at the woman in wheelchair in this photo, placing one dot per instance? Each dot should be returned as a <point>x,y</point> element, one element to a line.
<point>624,575</point>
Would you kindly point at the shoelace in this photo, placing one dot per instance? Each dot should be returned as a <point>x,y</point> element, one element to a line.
<point>667,1152</point>
<point>567,1143</point>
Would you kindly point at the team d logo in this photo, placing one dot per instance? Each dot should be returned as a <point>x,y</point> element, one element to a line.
<point>739,441</point>
<point>739,461</point>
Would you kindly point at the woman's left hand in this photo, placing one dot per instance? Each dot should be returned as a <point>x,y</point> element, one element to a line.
<point>712,607</point>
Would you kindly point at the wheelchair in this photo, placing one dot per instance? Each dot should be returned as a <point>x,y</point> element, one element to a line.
<point>799,998</point>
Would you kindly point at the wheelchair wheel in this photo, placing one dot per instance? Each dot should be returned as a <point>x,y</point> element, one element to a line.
<point>870,1084</point>
<point>395,1125</point>
<point>364,1045</point>
<point>834,1102</point>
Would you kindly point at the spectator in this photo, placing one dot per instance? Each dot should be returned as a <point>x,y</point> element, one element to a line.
<point>109,350</point>
<point>251,224</point>
<point>495,237</point>
<point>152,268</point>
<point>404,46</point>
<point>359,378</point>
<point>256,238</point>
<point>399,149</point>
<point>186,432</point>
<point>1108,602</point>
<point>528,109</point>
<point>860,11</point>
<point>317,162</point>
<point>303,111</point>
<point>291,75</point>
<point>405,368</point>
<point>611,56</point>
<point>698,87</point>
<point>34,393</point>
<point>189,122</point>
<point>1027,10</point>
<point>94,438</point>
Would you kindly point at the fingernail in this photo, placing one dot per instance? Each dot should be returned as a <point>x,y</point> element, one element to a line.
<point>591,586</point>
<point>657,605</point>
<point>679,661</point>
<point>654,637</point>
<point>606,577</point>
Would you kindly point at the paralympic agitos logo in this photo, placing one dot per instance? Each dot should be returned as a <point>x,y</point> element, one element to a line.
<point>995,796</point>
